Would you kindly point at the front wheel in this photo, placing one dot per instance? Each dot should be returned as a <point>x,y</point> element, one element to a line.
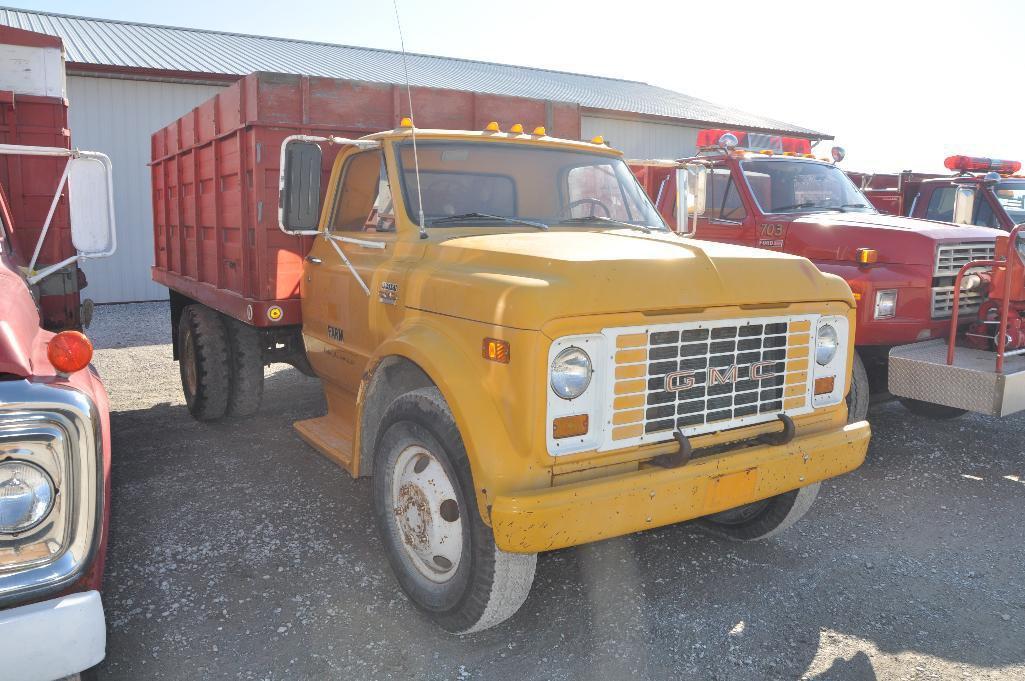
<point>762,519</point>
<point>442,553</point>
<point>857,398</point>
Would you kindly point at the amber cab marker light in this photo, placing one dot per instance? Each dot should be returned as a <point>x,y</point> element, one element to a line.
<point>516,129</point>
<point>406,122</point>
<point>540,131</point>
<point>867,256</point>
<point>496,350</point>
<point>492,127</point>
<point>824,386</point>
<point>69,351</point>
<point>569,426</point>
<point>597,139</point>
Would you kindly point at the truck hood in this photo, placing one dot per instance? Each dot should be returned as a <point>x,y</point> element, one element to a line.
<point>908,241</point>
<point>22,341</point>
<point>524,280</point>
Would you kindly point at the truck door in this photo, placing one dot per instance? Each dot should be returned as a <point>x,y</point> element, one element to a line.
<point>344,312</point>
<point>726,214</point>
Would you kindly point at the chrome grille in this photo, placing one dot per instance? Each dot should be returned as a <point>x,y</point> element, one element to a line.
<point>710,368</point>
<point>950,258</point>
<point>943,302</point>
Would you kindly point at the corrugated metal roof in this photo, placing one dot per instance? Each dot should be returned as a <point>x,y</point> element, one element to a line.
<point>104,42</point>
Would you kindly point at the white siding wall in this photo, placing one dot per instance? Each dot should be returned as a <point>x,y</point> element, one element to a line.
<point>117,117</point>
<point>642,139</point>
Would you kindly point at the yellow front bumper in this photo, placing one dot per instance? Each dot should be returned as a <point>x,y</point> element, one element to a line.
<point>557,517</point>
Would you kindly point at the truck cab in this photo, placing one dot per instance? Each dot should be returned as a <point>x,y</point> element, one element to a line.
<point>523,357</point>
<point>772,193</point>
<point>983,192</point>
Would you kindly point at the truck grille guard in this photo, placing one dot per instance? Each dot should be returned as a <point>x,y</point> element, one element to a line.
<point>1010,263</point>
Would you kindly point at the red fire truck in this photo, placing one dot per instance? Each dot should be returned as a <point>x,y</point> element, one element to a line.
<point>56,208</point>
<point>982,191</point>
<point>771,192</point>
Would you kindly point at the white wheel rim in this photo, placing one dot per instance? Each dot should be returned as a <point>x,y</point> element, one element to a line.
<point>427,514</point>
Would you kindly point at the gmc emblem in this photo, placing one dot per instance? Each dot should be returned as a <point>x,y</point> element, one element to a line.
<point>681,380</point>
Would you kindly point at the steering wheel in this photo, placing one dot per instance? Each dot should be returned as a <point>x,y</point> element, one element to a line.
<point>590,202</point>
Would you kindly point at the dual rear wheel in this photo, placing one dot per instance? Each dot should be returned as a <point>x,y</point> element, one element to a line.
<point>221,364</point>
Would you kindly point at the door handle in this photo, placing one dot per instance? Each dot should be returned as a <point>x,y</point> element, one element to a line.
<point>313,261</point>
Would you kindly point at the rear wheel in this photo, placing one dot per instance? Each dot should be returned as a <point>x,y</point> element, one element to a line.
<point>936,412</point>
<point>762,519</point>
<point>203,362</point>
<point>246,350</point>
<point>857,398</point>
<point>442,553</point>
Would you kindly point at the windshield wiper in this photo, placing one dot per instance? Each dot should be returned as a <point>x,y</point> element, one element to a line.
<point>598,218</point>
<point>796,206</point>
<point>462,217</point>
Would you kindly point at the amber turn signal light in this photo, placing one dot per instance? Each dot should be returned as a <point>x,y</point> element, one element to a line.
<point>496,350</point>
<point>69,351</point>
<point>569,426</point>
<point>867,256</point>
<point>824,386</point>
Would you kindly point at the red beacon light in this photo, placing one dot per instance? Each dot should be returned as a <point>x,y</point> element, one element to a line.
<point>755,141</point>
<point>978,164</point>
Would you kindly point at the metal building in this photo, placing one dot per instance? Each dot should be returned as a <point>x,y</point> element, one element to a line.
<point>126,80</point>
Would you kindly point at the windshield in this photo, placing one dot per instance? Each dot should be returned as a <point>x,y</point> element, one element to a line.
<point>1011,196</point>
<point>801,186</point>
<point>503,184</point>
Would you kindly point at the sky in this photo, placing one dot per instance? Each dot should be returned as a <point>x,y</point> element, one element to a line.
<point>900,84</point>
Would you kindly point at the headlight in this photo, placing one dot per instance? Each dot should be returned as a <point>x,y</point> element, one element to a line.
<point>886,304</point>
<point>826,344</point>
<point>26,496</point>
<point>571,373</point>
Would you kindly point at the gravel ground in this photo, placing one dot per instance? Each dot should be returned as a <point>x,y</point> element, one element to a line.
<point>238,552</point>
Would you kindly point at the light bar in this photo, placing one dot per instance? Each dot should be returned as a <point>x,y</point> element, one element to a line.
<point>981,165</point>
<point>756,141</point>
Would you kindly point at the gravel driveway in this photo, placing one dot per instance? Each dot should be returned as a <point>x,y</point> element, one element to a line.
<point>238,552</point>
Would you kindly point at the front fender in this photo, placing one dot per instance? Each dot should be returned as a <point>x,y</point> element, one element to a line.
<point>495,406</point>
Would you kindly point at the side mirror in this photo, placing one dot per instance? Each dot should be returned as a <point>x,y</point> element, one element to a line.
<point>91,204</point>
<point>691,188</point>
<point>964,205</point>
<point>299,198</point>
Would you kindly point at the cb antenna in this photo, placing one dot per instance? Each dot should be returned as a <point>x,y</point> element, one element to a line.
<point>409,96</point>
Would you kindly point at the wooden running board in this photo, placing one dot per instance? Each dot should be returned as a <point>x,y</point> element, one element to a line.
<point>329,435</point>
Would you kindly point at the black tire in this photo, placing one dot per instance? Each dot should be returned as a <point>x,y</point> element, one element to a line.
<point>203,362</point>
<point>762,519</point>
<point>929,410</point>
<point>857,398</point>
<point>245,347</point>
<point>486,585</point>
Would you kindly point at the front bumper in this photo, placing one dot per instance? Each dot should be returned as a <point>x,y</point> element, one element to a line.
<point>592,510</point>
<point>920,371</point>
<point>52,639</point>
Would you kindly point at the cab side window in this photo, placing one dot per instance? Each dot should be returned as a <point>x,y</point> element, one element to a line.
<point>941,205</point>
<point>722,201</point>
<point>363,201</point>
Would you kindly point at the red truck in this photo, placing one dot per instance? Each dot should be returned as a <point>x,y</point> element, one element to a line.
<point>981,191</point>
<point>771,192</point>
<point>54,412</point>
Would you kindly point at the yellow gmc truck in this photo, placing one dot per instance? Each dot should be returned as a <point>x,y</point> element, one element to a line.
<point>513,345</point>
<point>524,358</point>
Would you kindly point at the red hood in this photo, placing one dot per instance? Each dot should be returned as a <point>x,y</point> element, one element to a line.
<point>897,239</point>
<point>22,340</point>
